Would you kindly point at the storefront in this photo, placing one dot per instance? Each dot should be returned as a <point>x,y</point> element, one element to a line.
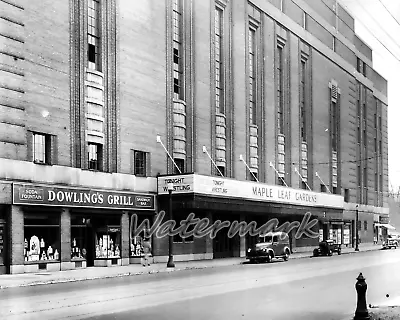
<point>59,228</point>
<point>230,201</point>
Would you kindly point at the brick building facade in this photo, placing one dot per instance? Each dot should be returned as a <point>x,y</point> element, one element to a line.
<point>279,93</point>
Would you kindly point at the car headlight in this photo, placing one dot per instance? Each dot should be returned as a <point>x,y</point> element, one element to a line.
<point>264,249</point>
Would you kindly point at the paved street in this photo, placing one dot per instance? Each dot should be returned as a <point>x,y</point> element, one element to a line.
<point>314,288</point>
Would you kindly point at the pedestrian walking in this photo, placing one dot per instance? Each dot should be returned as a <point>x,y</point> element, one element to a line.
<point>146,252</point>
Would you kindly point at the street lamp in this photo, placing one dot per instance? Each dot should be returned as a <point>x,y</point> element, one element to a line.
<point>357,229</point>
<point>170,263</point>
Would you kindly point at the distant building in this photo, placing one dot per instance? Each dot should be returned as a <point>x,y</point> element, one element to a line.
<point>282,96</point>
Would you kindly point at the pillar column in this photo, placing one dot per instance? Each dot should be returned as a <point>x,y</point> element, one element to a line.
<point>17,240</point>
<point>65,249</point>
<point>209,241</point>
<point>125,239</point>
<point>242,240</point>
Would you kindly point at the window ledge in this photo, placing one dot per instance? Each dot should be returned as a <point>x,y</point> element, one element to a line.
<point>42,163</point>
<point>41,262</point>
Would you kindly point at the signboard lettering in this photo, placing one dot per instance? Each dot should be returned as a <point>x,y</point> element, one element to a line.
<point>224,187</point>
<point>74,197</point>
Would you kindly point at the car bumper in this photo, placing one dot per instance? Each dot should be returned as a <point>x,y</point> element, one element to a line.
<point>257,254</point>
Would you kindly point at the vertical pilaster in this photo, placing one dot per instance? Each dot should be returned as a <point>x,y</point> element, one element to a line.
<point>125,238</point>
<point>65,225</point>
<point>17,240</point>
<point>242,240</point>
<point>209,240</point>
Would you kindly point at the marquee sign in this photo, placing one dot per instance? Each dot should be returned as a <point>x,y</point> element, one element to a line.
<point>216,186</point>
<point>32,194</point>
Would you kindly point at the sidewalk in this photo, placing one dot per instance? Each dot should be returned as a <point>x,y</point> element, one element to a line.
<point>91,273</point>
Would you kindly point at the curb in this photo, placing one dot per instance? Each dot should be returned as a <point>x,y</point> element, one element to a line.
<point>127,274</point>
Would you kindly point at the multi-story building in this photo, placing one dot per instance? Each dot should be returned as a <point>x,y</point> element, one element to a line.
<point>252,109</point>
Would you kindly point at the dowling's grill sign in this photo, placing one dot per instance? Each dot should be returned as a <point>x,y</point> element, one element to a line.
<point>230,188</point>
<point>31,194</point>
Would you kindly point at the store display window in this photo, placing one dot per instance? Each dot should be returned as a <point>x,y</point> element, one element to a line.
<point>108,242</point>
<point>41,237</point>
<point>2,242</point>
<point>78,238</point>
<point>137,246</point>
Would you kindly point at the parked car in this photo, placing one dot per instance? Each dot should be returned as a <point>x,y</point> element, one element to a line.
<point>327,248</point>
<point>274,245</point>
<point>390,243</point>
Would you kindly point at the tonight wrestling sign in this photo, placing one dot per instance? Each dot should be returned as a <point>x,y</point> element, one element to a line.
<point>74,197</point>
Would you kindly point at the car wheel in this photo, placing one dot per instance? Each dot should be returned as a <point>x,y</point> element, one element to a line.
<point>315,253</point>
<point>269,258</point>
<point>339,252</point>
<point>286,256</point>
<point>330,253</point>
<point>252,261</point>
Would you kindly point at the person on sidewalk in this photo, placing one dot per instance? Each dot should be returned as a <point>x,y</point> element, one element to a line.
<point>146,252</point>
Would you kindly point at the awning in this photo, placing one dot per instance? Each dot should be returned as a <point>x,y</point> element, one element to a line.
<point>384,225</point>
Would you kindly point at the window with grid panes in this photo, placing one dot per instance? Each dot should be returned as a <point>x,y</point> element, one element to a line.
<point>219,70</point>
<point>93,34</point>
<point>41,148</point>
<point>279,75</point>
<point>140,163</point>
<point>177,49</point>
<point>334,126</point>
<point>180,164</point>
<point>252,76</point>
<point>303,122</point>
<point>94,156</point>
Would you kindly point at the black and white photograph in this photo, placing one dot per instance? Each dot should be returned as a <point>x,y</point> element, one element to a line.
<point>199,159</point>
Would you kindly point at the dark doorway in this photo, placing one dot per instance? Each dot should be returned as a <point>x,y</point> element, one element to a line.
<point>90,246</point>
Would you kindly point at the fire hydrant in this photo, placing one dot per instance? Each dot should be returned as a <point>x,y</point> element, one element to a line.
<point>361,288</point>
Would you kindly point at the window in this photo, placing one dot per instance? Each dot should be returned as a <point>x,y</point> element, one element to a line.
<point>281,181</point>
<point>303,122</point>
<point>94,34</point>
<point>358,225</point>
<point>303,185</point>
<point>346,195</point>
<point>140,159</point>
<point>177,49</point>
<point>279,75</point>
<point>222,170</point>
<point>335,190</point>
<point>78,238</point>
<point>41,148</point>
<point>323,188</point>
<point>219,68</point>
<point>252,76</point>
<point>95,155</point>
<point>365,225</point>
<point>334,127</point>
<point>253,176</point>
<point>181,165</point>
<point>41,237</point>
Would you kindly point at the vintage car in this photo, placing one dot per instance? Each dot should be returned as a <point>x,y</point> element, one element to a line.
<point>391,242</point>
<point>273,245</point>
<point>327,248</point>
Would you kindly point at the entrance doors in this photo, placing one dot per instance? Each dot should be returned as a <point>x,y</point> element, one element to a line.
<point>223,245</point>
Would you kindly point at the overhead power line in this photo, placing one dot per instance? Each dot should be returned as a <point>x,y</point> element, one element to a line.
<point>389,12</point>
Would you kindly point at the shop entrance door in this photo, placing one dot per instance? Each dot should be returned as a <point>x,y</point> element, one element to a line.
<point>90,246</point>
<point>223,245</point>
